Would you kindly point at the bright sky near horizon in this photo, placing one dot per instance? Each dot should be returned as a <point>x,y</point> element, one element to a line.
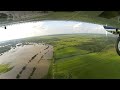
<point>48,27</point>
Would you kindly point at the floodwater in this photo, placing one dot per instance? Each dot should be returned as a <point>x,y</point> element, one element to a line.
<point>29,56</point>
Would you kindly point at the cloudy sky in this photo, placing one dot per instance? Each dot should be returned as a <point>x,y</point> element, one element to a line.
<point>47,28</point>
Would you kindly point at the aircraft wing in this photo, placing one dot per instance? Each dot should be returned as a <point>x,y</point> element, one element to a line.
<point>109,14</point>
<point>111,18</point>
<point>112,30</point>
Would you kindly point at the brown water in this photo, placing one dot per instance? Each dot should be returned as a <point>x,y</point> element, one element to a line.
<point>29,56</point>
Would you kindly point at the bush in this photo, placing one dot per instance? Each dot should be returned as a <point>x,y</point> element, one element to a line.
<point>18,76</point>
<point>24,68</point>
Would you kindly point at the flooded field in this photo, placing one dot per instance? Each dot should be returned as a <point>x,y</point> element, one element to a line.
<point>29,61</point>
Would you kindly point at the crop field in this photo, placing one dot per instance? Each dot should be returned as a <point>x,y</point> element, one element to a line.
<point>85,57</point>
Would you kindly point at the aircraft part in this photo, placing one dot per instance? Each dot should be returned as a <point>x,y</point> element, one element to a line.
<point>117,46</point>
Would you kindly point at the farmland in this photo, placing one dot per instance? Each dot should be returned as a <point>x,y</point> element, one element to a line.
<point>85,57</point>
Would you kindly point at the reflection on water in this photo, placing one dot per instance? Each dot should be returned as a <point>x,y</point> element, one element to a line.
<point>48,27</point>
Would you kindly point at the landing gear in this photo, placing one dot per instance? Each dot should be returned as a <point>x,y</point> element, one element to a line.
<point>117,46</point>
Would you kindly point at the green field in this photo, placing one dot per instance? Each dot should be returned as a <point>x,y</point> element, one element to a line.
<point>80,56</point>
<point>85,57</point>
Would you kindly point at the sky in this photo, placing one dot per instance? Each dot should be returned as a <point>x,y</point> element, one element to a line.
<point>48,27</point>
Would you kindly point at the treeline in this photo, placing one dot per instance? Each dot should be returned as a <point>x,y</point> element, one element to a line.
<point>4,49</point>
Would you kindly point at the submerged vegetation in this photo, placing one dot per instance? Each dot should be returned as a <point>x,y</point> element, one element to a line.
<point>5,68</point>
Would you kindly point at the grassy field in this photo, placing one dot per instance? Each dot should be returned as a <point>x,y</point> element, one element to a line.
<point>85,57</point>
<point>80,56</point>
